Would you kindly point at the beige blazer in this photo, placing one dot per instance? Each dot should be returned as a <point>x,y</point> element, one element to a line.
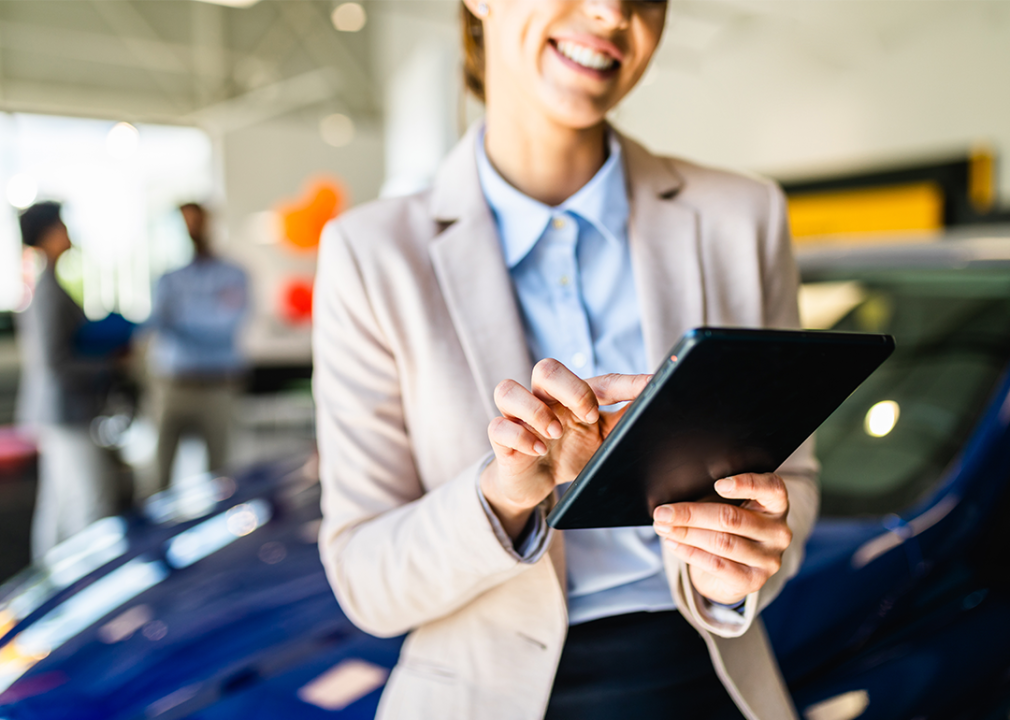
<point>415,323</point>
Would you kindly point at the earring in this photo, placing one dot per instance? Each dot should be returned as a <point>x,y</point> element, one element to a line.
<point>483,9</point>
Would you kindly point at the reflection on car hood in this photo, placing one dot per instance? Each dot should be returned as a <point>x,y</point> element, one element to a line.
<point>212,580</point>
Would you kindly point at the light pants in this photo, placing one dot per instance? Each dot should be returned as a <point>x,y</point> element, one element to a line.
<point>183,407</point>
<point>77,485</point>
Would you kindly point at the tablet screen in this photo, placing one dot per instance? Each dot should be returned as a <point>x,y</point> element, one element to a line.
<point>726,401</point>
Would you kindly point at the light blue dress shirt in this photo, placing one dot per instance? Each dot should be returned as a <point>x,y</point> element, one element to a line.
<point>196,314</point>
<point>571,269</point>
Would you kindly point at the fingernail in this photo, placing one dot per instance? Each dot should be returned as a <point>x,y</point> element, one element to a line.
<point>672,543</point>
<point>663,515</point>
<point>662,528</point>
<point>592,416</point>
<point>555,430</point>
<point>539,448</point>
<point>724,485</point>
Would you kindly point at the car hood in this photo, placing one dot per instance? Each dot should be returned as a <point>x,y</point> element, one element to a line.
<point>212,594</point>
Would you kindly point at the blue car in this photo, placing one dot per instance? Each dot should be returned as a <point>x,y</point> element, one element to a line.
<point>211,602</point>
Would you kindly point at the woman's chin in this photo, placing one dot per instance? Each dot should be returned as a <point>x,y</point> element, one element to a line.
<point>572,101</point>
<point>575,109</point>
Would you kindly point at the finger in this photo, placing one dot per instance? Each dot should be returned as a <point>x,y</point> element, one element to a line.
<point>767,490</point>
<point>731,547</point>
<point>616,388</point>
<point>511,435</point>
<point>730,572</point>
<point>721,517</point>
<point>552,381</point>
<point>516,402</point>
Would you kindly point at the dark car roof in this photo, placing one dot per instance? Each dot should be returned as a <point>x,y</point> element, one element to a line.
<point>975,247</point>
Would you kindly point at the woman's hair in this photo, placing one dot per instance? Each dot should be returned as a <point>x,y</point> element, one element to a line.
<point>473,51</point>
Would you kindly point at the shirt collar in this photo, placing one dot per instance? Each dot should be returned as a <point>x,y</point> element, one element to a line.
<point>603,202</point>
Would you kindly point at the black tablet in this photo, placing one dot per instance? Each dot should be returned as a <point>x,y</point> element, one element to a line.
<point>725,401</point>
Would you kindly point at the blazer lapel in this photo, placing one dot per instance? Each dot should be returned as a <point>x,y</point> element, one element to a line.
<point>666,253</point>
<point>474,280</point>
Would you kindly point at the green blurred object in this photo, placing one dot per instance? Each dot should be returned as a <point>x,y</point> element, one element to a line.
<point>953,338</point>
<point>70,274</point>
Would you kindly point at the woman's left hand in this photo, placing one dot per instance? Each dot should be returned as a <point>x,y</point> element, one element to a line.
<point>731,551</point>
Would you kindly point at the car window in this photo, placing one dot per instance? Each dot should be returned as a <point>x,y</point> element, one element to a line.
<point>889,443</point>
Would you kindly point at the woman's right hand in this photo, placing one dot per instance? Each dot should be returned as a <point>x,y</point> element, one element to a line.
<point>547,434</point>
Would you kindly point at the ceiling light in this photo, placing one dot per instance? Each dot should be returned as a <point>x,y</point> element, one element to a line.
<point>22,191</point>
<point>337,130</point>
<point>349,17</point>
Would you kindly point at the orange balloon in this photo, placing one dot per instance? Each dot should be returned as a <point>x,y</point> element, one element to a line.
<point>303,219</point>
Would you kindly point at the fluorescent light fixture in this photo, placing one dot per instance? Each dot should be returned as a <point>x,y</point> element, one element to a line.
<point>231,3</point>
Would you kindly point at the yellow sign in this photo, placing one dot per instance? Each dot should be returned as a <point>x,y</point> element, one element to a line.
<point>871,212</point>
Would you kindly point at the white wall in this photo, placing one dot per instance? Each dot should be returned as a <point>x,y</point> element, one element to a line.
<point>797,87</point>
<point>271,161</point>
<point>263,166</point>
<point>417,57</point>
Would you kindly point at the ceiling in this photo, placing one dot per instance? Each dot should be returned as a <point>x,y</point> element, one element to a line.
<point>181,60</point>
<point>843,34</point>
<point>230,67</point>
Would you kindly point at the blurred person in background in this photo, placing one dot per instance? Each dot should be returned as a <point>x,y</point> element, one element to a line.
<point>467,340</point>
<point>195,362</point>
<point>63,388</point>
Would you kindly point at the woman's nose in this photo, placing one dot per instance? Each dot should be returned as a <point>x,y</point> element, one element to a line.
<point>612,13</point>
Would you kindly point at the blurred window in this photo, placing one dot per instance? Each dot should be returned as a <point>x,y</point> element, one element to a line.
<point>120,185</point>
<point>890,442</point>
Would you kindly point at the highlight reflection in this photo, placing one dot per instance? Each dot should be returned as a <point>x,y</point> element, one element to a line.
<point>215,533</point>
<point>881,418</point>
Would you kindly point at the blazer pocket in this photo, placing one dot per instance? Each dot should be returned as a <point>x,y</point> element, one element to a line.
<point>419,690</point>
<point>430,670</point>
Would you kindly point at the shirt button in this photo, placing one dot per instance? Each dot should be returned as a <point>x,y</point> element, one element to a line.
<point>564,280</point>
<point>578,361</point>
<point>558,223</point>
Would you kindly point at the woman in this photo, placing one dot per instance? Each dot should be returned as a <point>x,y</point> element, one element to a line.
<point>551,253</point>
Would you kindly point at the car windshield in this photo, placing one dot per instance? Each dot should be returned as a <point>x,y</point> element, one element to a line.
<point>889,443</point>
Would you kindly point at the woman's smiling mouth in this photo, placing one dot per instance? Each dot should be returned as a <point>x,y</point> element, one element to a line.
<point>584,58</point>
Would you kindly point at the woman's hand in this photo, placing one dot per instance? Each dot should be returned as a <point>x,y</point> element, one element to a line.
<point>730,551</point>
<point>547,434</point>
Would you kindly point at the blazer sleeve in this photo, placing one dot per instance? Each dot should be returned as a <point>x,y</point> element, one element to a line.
<point>780,285</point>
<point>396,555</point>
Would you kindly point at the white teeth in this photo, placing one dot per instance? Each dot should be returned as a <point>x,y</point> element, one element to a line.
<point>585,56</point>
